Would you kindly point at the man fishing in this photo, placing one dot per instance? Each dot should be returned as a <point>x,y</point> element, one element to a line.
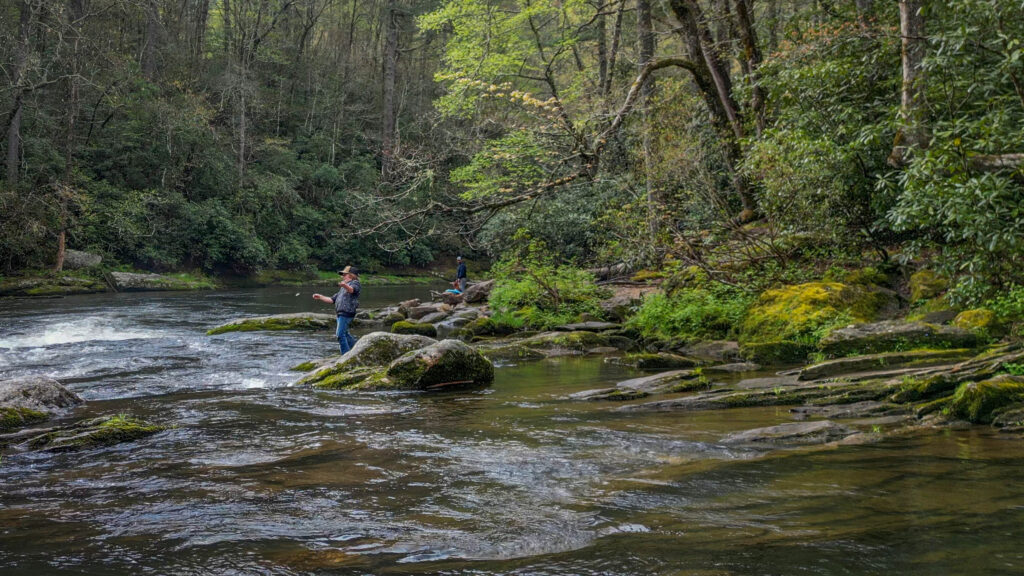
<point>345,303</point>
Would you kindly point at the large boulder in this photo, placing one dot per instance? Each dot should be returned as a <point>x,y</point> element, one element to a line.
<point>981,322</point>
<point>892,335</point>
<point>373,350</point>
<point>799,313</point>
<point>298,321</point>
<point>713,350</point>
<point>448,363</point>
<point>656,361</point>
<point>76,259</point>
<point>26,401</point>
<point>926,284</point>
<point>143,282</point>
<point>478,292</point>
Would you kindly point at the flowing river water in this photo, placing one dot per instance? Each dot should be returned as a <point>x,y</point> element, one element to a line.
<point>261,477</point>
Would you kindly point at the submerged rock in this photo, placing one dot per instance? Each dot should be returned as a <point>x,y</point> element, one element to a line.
<point>793,434</point>
<point>298,321</point>
<point>894,335</point>
<point>93,433</point>
<point>665,382</point>
<point>657,361</point>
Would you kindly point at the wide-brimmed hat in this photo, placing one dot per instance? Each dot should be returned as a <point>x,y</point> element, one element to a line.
<point>349,270</point>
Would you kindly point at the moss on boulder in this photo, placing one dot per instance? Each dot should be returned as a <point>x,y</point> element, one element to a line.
<point>421,328</point>
<point>94,433</point>
<point>981,322</point>
<point>802,312</point>
<point>926,284</point>
<point>376,349</point>
<point>444,364</point>
<point>512,352</point>
<point>146,282</point>
<point>15,417</point>
<point>299,321</point>
<point>484,326</point>
<point>894,336</point>
<point>981,402</point>
<point>52,285</point>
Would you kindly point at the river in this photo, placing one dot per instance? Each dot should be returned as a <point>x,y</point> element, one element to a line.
<point>260,477</point>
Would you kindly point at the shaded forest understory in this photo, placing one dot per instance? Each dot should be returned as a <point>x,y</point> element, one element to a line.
<point>720,147</point>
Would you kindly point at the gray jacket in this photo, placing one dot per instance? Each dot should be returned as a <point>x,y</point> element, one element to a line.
<point>345,304</point>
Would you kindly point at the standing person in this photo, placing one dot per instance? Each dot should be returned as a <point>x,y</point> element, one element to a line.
<point>345,303</point>
<point>460,275</point>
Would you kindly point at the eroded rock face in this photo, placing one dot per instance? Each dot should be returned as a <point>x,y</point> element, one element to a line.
<point>854,364</point>
<point>298,321</point>
<point>136,282</point>
<point>373,350</point>
<point>448,363</point>
<point>894,335</point>
<point>76,259</point>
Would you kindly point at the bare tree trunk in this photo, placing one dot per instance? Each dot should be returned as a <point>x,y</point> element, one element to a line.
<point>645,30</point>
<point>202,15</point>
<point>241,134</point>
<point>602,53</point>
<point>64,189</point>
<point>752,60</point>
<point>613,53</point>
<point>18,70</point>
<point>912,133</point>
<point>772,13</point>
<point>152,40</point>
<point>388,100</point>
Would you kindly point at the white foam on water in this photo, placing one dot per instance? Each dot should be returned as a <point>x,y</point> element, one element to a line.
<point>89,329</point>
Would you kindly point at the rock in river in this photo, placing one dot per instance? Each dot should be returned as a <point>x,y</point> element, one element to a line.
<point>793,434</point>
<point>374,350</point>
<point>26,401</point>
<point>447,363</point>
<point>299,321</point>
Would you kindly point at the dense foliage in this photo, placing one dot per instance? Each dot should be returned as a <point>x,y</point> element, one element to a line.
<point>761,142</point>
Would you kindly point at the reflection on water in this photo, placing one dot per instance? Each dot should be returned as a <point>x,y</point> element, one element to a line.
<point>261,477</point>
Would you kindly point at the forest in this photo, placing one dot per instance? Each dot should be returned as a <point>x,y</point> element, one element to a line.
<point>755,142</point>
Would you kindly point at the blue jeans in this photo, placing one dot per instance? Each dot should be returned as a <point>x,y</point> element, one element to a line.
<point>345,340</point>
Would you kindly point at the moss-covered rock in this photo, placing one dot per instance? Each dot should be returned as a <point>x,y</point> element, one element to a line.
<point>146,282</point>
<point>658,361</point>
<point>883,361</point>
<point>421,328</point>
<point>869,275</point>
<point>299,321</point>
<point>981,322</point>
<point>894,336</point>
<point>801,313</point>
<point>52,285</point>
<point>376,349</point>
<point>445,364</point>
<point>94,433</point>
<point>574,341</point>
<point>915,389</point>
<point>12,418</point>
<point>483,326</point>
<point>981,402</point>
<point>775,352</point>
<point>926,284</point>
<point>511,352</point>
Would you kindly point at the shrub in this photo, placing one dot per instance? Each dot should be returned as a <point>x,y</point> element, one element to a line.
<point>690,314</point>
<point>532,290</point>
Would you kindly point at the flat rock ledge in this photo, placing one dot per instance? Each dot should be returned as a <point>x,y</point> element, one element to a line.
<point>299,321</point>
<point>149,282</point>
<point>792,434</point>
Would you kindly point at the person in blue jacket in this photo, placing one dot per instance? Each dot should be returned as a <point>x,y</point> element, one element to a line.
<point>346,301</point>
<point>460,275</point>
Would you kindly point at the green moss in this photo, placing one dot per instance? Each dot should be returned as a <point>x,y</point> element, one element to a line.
<point>775,352</point>
<point>914,389</point>
<point>866,276</point>
<point>804,312</point>
<point>512,352</point>
<point>659,361</point>
<point>94,433</point>
<point>926,284</point>
<point>447,362</point>
<point>980,321</point>
<point>272,323</point>
<point>17,417</point>
<point>580,341</point>
<point>344,380</point>
<point>421,328</point>
<point>303,367</point>
<point>978,401</point>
